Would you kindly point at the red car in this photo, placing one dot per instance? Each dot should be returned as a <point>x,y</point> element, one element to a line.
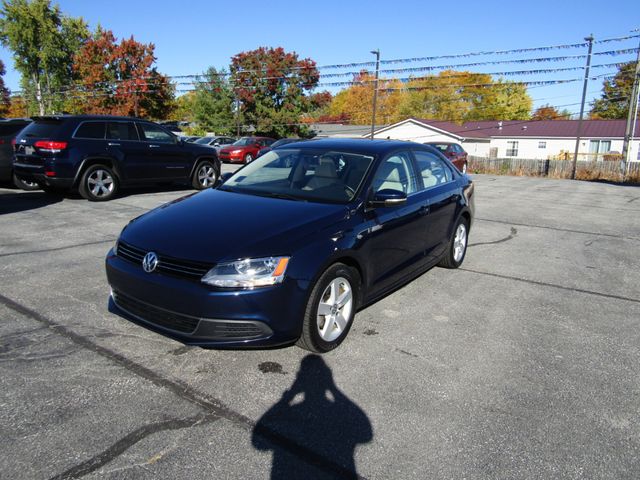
<point>453,152</point>
<point>244,150</point>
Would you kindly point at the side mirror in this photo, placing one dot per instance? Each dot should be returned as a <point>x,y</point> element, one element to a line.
<point>388,198</point>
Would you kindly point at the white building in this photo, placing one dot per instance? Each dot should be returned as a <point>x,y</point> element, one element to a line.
<point>526,139</point>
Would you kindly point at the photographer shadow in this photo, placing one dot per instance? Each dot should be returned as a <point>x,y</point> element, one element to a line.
<point>314,428</point>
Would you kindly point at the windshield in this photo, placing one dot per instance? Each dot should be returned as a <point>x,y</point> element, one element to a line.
<point>297,174</point>
<point>244,141</point>
<point>440,146</point>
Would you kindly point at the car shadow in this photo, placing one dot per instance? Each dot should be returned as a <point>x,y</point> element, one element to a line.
<point>314,429</point>
<point>14,202</point>
<point>140,190</point>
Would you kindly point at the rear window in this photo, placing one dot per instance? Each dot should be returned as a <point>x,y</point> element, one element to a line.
<point>11,129</point>
<point>43,129</point>
<point>90,130</point>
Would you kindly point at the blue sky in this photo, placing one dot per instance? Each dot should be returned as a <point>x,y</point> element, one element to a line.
<point>191,35</point>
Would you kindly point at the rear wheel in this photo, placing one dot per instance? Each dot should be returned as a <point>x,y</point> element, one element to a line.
<point>98,183</point>
<point>457,248</point>
<point>205,175</point>
<point>25,184</point>
<point>330,309</point>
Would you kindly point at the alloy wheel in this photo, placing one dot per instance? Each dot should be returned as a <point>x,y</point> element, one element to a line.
<point>460,242</point>
<point>206,175</point>
<point>100,183</point>
<point>334,309</point>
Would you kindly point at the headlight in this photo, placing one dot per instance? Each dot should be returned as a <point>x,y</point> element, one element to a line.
<point>248,273</point>
<point>115,246</point>
<point>236,151</point>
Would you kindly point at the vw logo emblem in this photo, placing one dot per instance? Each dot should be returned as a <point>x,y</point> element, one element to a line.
<point>150,262</point>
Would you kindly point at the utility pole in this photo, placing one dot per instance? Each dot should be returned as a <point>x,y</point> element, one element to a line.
<point>375,91</point>
<point>631,118</point>
<point>584,96</point>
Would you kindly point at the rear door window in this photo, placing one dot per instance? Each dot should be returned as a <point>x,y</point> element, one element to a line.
<point>122,131</point>
<point>93,130</point>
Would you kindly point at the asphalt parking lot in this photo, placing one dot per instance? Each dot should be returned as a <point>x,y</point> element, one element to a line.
<point>525,363</point>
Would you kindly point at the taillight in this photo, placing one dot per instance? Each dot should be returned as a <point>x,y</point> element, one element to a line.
<point>50,146</point>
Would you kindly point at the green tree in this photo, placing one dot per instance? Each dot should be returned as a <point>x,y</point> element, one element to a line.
<point>273,88</point>
<point>615,94</point>
<point>213,102</point>
<point>43,42</point>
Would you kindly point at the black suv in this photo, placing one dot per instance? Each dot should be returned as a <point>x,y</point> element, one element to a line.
<point>9,128</point>
<point>98,154</point>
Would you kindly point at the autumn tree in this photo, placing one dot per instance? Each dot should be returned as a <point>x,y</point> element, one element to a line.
<point>273,88</point>
<point>5,101</point>
<point>464,96</point>
<point>213,102</point>
<point>547,112</point>
<point>356,102</point>
<point>616,94</point>
<point>120,79</point>
<point>43,42</point>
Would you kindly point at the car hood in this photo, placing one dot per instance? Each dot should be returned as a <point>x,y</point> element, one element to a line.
<point>214,225</point>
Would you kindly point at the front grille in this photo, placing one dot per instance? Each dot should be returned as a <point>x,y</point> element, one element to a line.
<point>169,265</point>
<point>244,330</point>
<point>157,316</point>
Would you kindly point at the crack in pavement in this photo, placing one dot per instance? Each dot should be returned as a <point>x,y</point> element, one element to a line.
<point>211,405</point>
<point>57,249</point>
<point>511,236</point>
<point>624,237</point>
<point>131,439</point>
<point>552,285</point>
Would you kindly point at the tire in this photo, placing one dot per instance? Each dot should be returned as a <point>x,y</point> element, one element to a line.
<point>98,183</point>
<point>457,248</point>
<point>323,333</point>
<point>248,158</point>
<point>25,184</point>
<point>205,175</point>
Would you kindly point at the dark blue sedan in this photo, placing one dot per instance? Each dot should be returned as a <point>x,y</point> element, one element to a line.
<point>289,247</point>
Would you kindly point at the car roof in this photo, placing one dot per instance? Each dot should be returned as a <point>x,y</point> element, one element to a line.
<point>87,117</point>
<point>364,146</point>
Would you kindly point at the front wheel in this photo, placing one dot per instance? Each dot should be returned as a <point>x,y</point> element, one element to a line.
<point>98,183</point>
<point>330,309</point>
<point>457,248</point>
<point>205,176</point>
<point>248,158</point>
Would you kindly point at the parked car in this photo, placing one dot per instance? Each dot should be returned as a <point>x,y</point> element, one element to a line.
<point>453,152</point>
<point>276,144</point>
<point>244,150</point>
<point>96,155</point>
<point>290,246</point>
<point>9,128</point>
<point>216,142</point>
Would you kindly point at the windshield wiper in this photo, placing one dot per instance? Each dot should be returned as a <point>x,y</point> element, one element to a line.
<point>284,196</point>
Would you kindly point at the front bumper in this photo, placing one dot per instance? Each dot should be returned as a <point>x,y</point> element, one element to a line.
<point>197,314</point>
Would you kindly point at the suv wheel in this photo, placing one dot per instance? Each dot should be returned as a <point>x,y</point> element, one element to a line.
<point>98,183</point>
<point>205,176</point>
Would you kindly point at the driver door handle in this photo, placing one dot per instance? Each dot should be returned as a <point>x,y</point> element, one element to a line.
<point>154,146</point>
<point>111,144</point>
